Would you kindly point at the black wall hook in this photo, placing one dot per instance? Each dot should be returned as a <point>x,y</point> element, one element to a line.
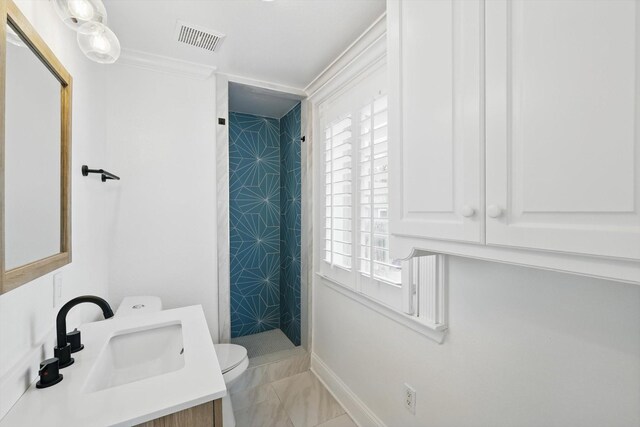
<point>105,175</point>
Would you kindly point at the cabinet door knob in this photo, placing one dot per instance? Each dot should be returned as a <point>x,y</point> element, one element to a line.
<point>468,211</point>
<point>494,211</point>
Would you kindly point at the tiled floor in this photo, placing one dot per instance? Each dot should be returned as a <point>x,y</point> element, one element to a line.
<point>297,401</point>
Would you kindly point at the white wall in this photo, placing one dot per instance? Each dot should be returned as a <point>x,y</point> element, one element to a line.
<point>526,347</point>
<point>27,315</point>
<point>161,141</point>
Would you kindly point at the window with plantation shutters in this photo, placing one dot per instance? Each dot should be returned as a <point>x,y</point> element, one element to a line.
<point>354,148</point>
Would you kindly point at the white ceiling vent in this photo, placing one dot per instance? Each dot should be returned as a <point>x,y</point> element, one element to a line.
<point>197,36</point>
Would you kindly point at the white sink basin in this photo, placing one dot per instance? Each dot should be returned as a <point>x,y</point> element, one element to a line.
<point>134,355</point>
<point>130,371</point>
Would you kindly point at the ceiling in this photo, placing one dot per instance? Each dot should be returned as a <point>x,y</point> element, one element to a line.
<point>286,42</point>
<point>259,101</point>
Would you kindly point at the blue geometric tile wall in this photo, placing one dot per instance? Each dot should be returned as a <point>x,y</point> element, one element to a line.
<point>264,193</point>
<point>290,186</point>
<point>254,223</point>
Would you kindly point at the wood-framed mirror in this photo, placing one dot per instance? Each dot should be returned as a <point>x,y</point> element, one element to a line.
<point>35,154</point>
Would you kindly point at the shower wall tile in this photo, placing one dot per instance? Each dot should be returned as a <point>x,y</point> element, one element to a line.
<point>254,224</point>
<point>265,223</point>
<point>290,230</point>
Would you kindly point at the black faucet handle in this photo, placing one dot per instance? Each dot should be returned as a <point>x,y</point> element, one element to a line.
<point>49,373</point>
<point>74,340</point>
<point>64,355</point>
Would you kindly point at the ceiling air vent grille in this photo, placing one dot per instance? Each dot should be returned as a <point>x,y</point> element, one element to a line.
<point>197,36</point>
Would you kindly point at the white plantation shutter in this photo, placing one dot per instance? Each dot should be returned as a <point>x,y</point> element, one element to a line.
<point>338,191</point>
<point>380,276</point>
<point>375,261</point>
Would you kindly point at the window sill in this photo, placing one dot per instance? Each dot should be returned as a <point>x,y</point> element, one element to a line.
<point>379,280</point>
<point>433,332</point>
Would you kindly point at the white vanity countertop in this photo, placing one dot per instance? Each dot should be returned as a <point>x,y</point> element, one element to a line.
<point>68,404</point>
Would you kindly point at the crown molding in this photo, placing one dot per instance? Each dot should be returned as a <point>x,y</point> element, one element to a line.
<point>165,64</point>
<point>374,36</point>
<point>297,92</point>
<point>363,62</point>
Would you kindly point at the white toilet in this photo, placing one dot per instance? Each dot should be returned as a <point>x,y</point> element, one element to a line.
<point>232,358</point>
<point>233,362</point>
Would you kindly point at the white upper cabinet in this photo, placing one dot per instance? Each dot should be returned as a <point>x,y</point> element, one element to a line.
<point>515,132</point>
<point>563,126</point>
<point>436,163</point>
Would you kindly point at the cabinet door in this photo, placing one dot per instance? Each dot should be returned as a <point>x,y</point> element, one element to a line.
<point>435,142</point>
<point>563,126</point>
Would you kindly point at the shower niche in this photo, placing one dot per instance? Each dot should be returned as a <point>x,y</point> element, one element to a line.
<point>264,150</point>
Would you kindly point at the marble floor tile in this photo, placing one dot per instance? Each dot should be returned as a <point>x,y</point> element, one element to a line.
<point>275,357</point>
<point>252,377</point>
<point>306,401</point>
<point>269,413</point>
<point>249,397</point>
<point>341,421</point>
<point>288,367</point>
<point>258,375</point>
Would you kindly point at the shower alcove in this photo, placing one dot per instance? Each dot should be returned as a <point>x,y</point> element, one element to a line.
<point>260,202</point>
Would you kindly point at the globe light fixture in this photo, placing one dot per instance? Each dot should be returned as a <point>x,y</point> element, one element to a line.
<point>98,43</point>
<point>75,13</point>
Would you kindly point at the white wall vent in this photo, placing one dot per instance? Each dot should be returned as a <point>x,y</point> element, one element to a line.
<point>197,36</point>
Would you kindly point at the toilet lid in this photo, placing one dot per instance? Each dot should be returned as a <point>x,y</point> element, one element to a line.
<point>230,355</point>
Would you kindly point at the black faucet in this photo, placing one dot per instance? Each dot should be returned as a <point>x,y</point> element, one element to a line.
<point>70,343</point>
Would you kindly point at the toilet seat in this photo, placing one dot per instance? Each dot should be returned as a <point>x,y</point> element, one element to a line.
<point>230,356</point>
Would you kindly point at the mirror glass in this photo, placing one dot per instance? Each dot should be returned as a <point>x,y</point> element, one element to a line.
<point>32,156</point>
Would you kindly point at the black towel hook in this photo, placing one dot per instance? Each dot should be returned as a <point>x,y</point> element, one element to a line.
<point>105,175</point>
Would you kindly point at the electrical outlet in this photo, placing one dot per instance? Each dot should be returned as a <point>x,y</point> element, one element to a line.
<point>57,290</point>
<point>410,398</point>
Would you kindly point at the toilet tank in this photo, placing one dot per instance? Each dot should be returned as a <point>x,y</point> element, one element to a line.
<point>131,306</point>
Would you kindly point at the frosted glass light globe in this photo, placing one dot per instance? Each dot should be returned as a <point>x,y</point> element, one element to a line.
<point>75,13</point>
<point>81,9</point>
<point>98,43</point>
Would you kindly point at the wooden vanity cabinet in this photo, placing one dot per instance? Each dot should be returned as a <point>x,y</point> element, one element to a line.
<point>205,415</point>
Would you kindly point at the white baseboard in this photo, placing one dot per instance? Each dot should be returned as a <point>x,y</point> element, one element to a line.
<point>356,409</point>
